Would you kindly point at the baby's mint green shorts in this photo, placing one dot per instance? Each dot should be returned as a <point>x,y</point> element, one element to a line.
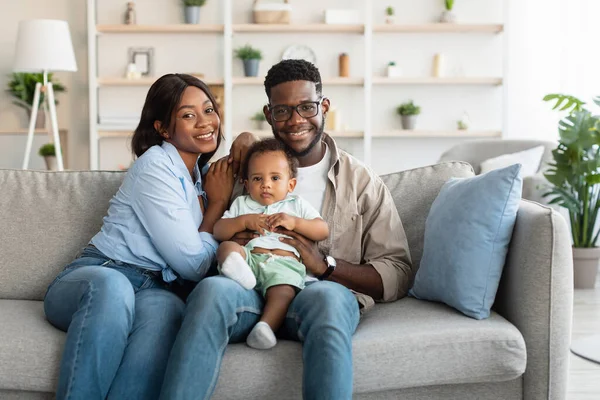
<point>271,270</point>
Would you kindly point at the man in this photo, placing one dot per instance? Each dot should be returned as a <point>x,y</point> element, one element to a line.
<point>365,259</point>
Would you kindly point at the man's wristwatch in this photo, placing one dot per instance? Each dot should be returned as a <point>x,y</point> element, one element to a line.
<point>331,264</point>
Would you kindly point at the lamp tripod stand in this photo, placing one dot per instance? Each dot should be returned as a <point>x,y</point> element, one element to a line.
<point>51,107</point>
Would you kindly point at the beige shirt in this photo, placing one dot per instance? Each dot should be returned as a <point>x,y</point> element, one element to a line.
<point>364,225</point>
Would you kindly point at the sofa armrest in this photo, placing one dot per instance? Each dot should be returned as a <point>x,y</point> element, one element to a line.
<point>536,295</point>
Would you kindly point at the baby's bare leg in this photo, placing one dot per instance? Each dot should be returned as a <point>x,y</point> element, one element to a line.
<point>277,300</point>
<point>232,259</point>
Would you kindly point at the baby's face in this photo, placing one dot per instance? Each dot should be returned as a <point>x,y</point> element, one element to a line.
<point>269,177</point>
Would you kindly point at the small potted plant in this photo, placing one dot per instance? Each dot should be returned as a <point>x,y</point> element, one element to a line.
<point>447,14</point>
<point>192,10</point>
<point>390,17</point>
<point>250,57</point>
<point>408,112</point>
<point>49,153</point>
<point>22,88</point>
<point>260,121</point>
<point>393,70</point>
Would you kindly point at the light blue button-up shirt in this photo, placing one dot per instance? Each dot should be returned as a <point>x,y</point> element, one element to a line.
<point>153,219</point>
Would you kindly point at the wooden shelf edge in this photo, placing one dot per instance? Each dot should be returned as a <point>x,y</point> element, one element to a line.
<point>383,80</point>
<point>438,28</point>
<point>437,134</point>
<point>169,28</point>
<point>115,81</point>
<point>295,28</point>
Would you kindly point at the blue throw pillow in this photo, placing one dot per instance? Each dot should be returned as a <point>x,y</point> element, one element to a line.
<point>467,234</point>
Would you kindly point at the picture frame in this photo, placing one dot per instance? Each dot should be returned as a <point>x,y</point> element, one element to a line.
<point>143,58</point>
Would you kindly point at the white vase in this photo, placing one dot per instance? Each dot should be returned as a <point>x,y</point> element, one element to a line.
<point>394,71</point>
<point>51,163</point>
<point>409,122</point>
<point>448,17</point>
<point>585,267</point>
<point>390,19</point>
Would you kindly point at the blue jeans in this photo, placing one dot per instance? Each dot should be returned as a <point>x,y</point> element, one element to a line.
<point>323,316</point>
<point>121,322</point>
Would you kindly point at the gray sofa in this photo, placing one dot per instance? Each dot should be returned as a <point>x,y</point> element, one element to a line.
<point>407,349</point>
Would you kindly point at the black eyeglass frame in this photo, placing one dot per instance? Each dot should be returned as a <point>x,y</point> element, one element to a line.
<point>317,103</point>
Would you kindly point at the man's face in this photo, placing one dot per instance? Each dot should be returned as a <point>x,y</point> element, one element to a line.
<point>299,133</point>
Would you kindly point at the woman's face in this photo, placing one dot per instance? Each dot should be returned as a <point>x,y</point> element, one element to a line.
<point>195,125</point>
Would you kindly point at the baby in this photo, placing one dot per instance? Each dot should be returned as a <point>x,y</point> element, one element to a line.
<point>265,263</point>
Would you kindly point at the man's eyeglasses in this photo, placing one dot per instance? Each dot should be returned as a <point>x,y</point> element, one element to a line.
<point>308,109</point>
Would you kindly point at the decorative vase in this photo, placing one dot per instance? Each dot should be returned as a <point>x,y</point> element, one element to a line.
<point>51,164</point>
<point>448,17</point>
<point>409,122</point>
<point>585,267</point>
<point>251,67</point>
<point>394,71</point>
<point>192,14</point>
<point>390,19</point>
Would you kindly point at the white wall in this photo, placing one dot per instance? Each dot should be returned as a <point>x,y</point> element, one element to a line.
<point>534,66</point>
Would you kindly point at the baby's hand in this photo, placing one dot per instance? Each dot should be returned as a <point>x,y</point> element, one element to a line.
<point>256,222</point>
<point>282,219</point>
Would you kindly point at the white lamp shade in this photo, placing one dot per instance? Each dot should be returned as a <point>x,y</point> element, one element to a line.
<point>44,45</point>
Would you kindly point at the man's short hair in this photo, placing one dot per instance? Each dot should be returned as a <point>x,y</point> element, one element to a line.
<point>292,70</point>
<point>267,146</point>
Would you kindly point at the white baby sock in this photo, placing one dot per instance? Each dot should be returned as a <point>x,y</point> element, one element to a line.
<point>236,268</point>
<point>261,337</point>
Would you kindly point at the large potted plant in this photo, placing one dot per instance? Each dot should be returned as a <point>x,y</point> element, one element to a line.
<point>408,112</point>
<point>574,176</point>
<point>250,57</point>
<point>192,10</point>
<point>21,87</point>
<point>48,151</point>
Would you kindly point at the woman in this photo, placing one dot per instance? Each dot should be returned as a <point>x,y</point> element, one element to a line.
<point>116,300</point>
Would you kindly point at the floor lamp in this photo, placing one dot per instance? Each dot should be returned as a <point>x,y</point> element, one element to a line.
<point>44,46</point>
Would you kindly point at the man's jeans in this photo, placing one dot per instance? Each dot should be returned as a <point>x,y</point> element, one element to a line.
<point>323,316</point>
<point>121,322</point>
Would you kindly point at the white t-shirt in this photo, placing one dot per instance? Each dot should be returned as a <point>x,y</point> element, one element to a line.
<point>312,181</point>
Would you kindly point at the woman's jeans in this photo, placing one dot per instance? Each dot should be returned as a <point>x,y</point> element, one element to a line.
<point>121,322</point>
<point>323,316</point>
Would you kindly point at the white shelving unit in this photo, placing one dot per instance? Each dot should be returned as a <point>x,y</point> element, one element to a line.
<point>228,29</point>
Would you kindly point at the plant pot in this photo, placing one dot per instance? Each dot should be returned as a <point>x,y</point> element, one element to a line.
<point>40,120</point>
<point>192,14</point>
<point>251,67</point>
<point>448,17</point>
<point>261,125</point>
<point>51,163</point>
<point>585,267</point>
<point>409,121</point>
<point>394,71</point>
<point>390,19</point>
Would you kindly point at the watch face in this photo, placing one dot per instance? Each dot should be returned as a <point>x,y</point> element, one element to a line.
<point>299,52</point>
<point>330,260</point>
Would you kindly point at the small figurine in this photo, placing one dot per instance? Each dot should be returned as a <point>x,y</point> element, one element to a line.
<point>130,14</point>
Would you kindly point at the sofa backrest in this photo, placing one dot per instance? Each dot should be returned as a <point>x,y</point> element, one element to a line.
<point>414,191</point>
<point>45,220</point>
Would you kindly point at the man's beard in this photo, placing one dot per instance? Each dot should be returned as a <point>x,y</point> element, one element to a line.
<point>311,145</point>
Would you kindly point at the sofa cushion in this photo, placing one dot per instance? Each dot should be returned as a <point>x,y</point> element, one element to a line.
<point>467,234</point>
<point>414,191</point>
<point>408,343</point>
<point>46,218</point>
<point>30,348</point>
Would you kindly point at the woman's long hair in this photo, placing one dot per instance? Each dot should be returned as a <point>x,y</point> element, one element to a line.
<point>162,99</point>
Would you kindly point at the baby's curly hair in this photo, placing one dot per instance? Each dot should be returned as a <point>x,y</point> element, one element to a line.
<point>292,70</point>
<point>268,146</point>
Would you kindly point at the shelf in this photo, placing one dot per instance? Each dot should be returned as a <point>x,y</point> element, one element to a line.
<point>338,134</point>
<point>25,131</point>
<point>379,80</point>
<point>437,134</point>
<point>439,28</point>
<point>114,134</point>
<point>336,81</point>
<point>173,28</point>
<point>299,28</point>
<point>116,81</point>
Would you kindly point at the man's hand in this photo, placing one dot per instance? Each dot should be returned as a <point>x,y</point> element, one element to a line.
<point>283,220</point>
<point>242,238</point>
<point>310,254</point>
<point>239,149</point>
<point>256,222</point>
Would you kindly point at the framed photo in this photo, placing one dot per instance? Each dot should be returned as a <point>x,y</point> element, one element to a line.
<point>143,58</point>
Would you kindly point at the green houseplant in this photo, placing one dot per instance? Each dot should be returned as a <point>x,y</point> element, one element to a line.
<point>21,88</point>
<point>49,153</point>
<point>192,10</point>
<point>447,14</point>
<point>251,57</point>
<point>408,112</point>
<point>260,120</point>
<point>574,176</point>
<point>389,15</point>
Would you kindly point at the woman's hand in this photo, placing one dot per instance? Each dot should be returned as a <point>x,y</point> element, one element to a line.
<point>283,220</point>
<point>239,149</point>
<point>218,182</point>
